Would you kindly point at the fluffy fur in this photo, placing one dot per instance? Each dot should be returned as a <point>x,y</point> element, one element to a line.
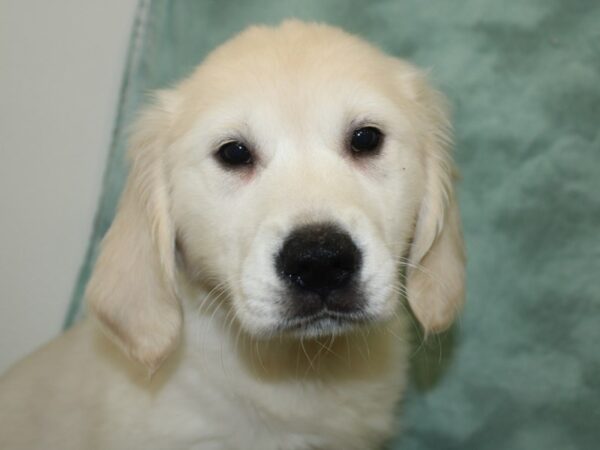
<point>185,284</point>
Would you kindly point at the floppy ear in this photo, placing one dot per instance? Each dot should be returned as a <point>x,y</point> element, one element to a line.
<point>436,272</point>
<point>132,290</point>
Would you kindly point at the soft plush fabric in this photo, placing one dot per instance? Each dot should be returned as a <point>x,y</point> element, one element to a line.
<point>522,368</point>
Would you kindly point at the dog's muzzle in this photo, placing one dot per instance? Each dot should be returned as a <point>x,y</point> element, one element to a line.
<point>319,264</point>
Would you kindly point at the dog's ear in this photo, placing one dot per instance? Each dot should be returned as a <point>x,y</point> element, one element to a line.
<point>436,271</point>
<point>132,289</point>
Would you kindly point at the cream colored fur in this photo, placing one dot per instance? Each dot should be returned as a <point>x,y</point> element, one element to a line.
<point>185,285</point>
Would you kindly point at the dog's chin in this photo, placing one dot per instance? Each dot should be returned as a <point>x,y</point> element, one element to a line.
<point>322,324</point>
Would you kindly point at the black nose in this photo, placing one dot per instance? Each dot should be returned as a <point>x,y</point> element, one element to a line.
<point>318,258</point>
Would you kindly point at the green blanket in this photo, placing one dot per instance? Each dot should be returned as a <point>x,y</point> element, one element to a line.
<point>522,368</point>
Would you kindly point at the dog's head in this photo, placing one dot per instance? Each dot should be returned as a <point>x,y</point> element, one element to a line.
<point>302,171</point>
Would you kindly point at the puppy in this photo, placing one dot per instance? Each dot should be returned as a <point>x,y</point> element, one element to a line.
<point>282,203</point>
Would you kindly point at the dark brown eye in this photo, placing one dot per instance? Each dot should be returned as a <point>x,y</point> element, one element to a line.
<point>235,154</point>
<point>366,141</point>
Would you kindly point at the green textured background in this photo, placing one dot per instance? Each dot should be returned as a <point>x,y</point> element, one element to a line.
<point>522,368</point>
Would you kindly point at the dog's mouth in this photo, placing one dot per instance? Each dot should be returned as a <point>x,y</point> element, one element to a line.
<point>324,323</point>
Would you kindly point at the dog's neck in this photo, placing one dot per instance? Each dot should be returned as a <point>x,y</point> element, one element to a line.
<point>212,333</point>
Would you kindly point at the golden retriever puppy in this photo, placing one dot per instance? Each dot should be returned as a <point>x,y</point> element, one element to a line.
<point>282,202</point>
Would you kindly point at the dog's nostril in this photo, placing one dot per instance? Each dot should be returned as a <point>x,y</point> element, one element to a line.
<point>318,258</point>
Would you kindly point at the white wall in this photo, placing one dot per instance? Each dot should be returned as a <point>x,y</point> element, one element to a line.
<point>61,64</point>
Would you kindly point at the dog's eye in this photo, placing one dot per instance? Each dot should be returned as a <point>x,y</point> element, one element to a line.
<point>366,140</point>
<point>235,154</point>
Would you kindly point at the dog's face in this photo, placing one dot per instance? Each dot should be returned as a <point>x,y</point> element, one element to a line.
<point>302,172</point>
<point>297,183</point>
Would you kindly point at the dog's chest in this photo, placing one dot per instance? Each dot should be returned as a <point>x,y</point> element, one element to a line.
<point>302,417</point>
<point>240,411</point>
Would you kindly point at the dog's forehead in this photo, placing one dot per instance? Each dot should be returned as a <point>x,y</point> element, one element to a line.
<point>294,51</point>
<point>289,69</point>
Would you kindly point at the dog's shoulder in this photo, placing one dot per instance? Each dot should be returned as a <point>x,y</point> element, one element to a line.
<point>54,390</point>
